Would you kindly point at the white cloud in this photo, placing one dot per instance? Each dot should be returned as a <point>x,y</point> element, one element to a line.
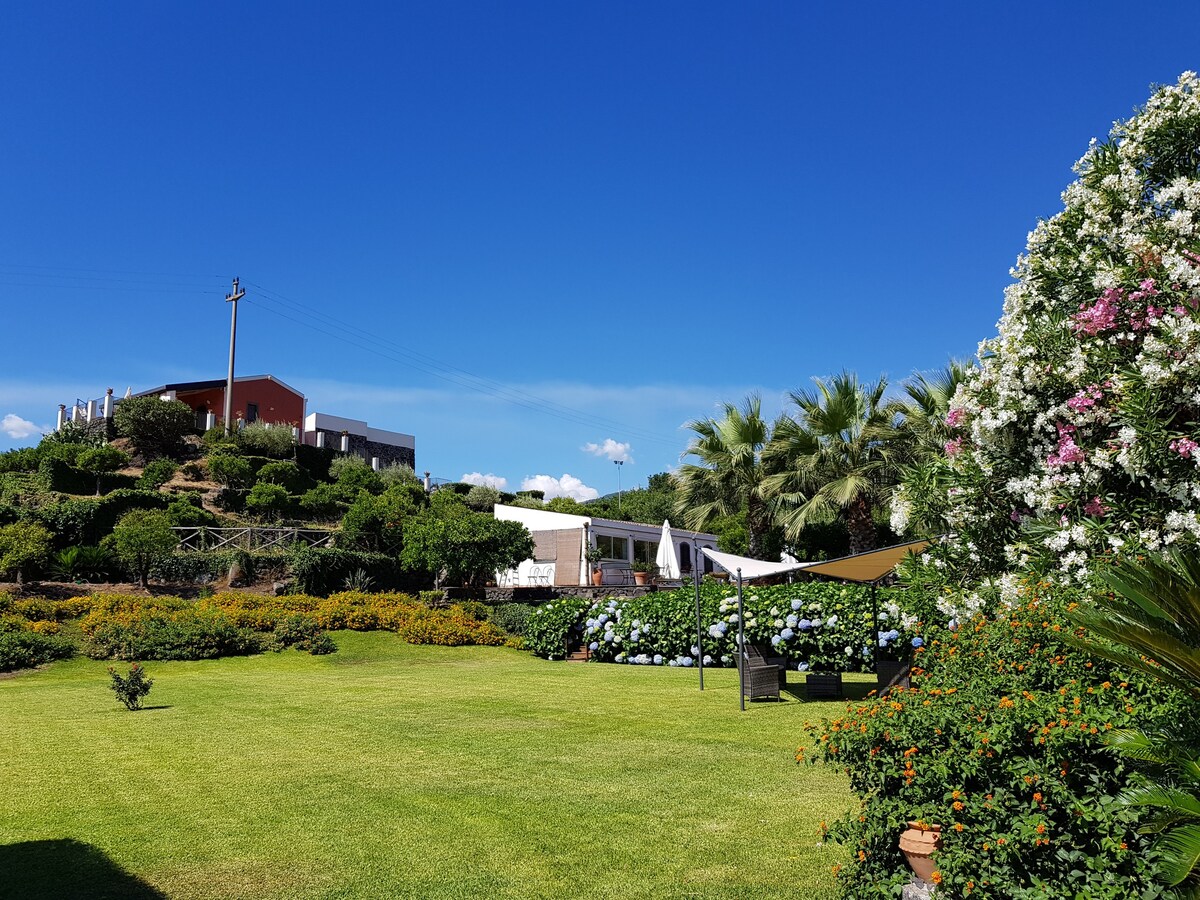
<point>567,486</point>
<point>18,429</point>
<point>488,480</point>
<point>614,450</point>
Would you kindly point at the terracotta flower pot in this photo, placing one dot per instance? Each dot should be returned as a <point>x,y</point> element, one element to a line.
<point>918,844</point>
<point>597,578</point>
<point>640,577</point>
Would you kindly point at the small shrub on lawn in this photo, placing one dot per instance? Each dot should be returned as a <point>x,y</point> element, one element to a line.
<point>131,688</point>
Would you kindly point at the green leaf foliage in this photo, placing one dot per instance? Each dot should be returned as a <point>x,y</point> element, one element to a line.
<point>141,538</point>
<point>155,427</point>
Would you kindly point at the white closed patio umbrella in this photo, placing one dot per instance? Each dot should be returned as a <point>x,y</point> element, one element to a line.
<point>668,558</point>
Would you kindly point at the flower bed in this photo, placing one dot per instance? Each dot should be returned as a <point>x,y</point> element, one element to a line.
<point>1000,741</point>
<point>816,626</point>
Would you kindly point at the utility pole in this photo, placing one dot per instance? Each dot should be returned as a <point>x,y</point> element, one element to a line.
<point>237,294</point>
<point>618,463</point>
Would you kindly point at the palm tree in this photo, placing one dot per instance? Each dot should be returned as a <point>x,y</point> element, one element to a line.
<point>1151,623</point>
<point>729,475</point>
<point>923,430</point>
<point>922,435</point>
<point>834,459</point>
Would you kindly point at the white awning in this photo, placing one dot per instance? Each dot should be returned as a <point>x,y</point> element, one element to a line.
<point>861,567</point>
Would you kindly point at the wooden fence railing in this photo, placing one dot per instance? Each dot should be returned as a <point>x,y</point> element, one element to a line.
<point>252,538</point>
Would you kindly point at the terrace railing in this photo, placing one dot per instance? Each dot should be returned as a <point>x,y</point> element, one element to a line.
<point>197,538</point>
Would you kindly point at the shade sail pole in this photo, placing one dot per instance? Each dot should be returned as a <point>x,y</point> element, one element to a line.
<point>699,638</point>
<point>874,636</point>
<point>741,647</point>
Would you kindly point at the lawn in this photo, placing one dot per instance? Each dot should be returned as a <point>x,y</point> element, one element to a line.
<point>389,770</point>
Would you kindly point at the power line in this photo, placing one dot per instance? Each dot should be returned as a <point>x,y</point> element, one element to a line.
<point>431,366</point>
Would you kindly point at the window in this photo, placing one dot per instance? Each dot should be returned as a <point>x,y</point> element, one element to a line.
<point>251,412</point>
<point>612,547</point>
<point>645,551</point>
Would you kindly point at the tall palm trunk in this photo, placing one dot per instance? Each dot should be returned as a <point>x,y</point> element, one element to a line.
<point>861,526</point>
<point>756,526</point>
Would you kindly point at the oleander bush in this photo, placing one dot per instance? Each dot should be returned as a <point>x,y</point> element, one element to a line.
<point>1001,741</point>
<point>1078,432</point>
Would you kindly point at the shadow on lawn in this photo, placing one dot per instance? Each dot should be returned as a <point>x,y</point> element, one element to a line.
<point>851,690</point>
<point>65,870</point>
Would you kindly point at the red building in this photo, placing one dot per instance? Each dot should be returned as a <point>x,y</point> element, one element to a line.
<point>256,398</point>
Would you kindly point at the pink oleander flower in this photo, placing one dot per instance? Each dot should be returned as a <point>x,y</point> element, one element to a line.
<point>1095,507</point>
<point>1101,315</point>
<point>954,447</point>
<point>1086,398</point>
<point>1185,447</point>
<point>954,418</point>
<point>1068,452</point>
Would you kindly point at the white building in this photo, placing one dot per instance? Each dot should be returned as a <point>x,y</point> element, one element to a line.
<point>354,436</point>
<point>561,541</point>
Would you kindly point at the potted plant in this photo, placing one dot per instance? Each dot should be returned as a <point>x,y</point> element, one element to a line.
<point>918,844</point>
<point>594,555</point>
<point>642,571</point>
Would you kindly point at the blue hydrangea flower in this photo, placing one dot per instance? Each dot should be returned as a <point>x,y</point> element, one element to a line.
<point>635,635</point>
<point>608,636</point>
<point>695,650</point>
<point>687,661</point>
<point>787,634</point>
<point>775,640</point>
<point>792,620</point>
<point>594,646</point>
<point>796,604</point>
<point>802,667</point>
<point>658,659</point>
<point>918,642</point>
<point>707,660</point>
<point>804,624</point>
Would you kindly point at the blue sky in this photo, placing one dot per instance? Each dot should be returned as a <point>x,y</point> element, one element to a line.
<point>536,236</point>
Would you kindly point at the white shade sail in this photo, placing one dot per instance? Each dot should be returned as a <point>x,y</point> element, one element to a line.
<point>861,567</point>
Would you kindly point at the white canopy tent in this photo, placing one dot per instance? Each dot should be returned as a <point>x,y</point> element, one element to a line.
<point>864,568</point>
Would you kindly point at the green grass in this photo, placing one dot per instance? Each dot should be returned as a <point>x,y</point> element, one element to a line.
<point>389,770</point>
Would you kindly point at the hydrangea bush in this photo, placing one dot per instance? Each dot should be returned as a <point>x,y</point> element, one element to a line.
<point>816,626</point>
<point>1078,433</point>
